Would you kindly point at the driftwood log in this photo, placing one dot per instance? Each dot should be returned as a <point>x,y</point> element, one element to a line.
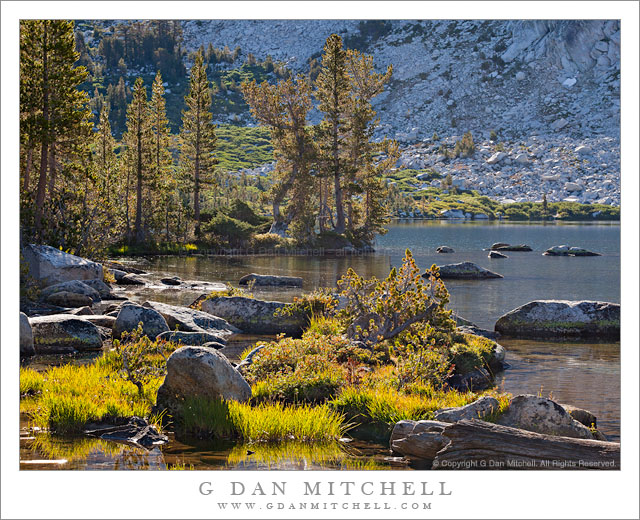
<point>475,444</point>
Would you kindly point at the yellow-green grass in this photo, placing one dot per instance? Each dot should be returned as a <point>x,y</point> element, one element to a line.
<point>54,447</point>
<point>264,422</point>
<point>70,396</point>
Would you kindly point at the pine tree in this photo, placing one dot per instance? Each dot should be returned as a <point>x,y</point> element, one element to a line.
<point>105,157</point>
<point>54,112</point>
<point>198,137</point>
<point>332,91</point>
<point>138,142</point>
<point>283,108</point>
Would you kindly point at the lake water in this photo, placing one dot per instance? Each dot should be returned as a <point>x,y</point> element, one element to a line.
<point>586,375</point>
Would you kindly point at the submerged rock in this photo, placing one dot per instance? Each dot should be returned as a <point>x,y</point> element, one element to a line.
<point>271,280</point>
<point>63,333</point>
<point>509,247</point>
<point>186,319</point>
<point>131,315</point>
<point>190,338</point>
<point>254,316</point>
<point>445,249</point>
<point>49,265</point>
<point>200,372</point>
<point>26,337</point>
<point>542,415</point>
<point>562,318</point>
<point>466,271</point>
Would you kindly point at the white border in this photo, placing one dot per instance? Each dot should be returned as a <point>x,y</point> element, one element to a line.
<point>174,494</point>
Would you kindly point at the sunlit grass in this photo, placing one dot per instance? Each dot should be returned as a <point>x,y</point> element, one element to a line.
<point>31,381</point>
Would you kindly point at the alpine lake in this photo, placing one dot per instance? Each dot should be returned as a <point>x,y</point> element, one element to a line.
<point>586,375</point>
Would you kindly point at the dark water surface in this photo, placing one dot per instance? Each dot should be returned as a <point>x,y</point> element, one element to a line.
<point>585,375</point>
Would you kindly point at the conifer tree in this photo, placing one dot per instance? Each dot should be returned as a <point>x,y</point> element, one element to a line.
<point>198,137</point>
<point>54,113</point>
<point>105,157</point>
<point>332,91</point>
<point>138,142</point>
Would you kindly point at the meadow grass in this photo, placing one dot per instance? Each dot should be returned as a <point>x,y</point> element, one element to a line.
<point>31,381</point>
<point>264,422</point>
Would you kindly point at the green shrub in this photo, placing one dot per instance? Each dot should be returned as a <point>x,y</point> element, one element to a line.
<point>234,232</point>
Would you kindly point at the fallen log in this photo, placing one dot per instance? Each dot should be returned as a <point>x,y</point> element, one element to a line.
<point>475,444</point>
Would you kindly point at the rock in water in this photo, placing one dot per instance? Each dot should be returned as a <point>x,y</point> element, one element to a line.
<point>254,316</point>
<point>131,314</point>
<point>542,415</point>
<point>49,265</point>
<point>466,271</point>
<point>476,410</point>
<point>26,337</point>
<point>271,280</point>
<point>174,280</point>
<point>496,254</point>
<point>562,318</point>
<point>200,372</point>
<point>131,279</point>
<point>63,333</point>
<point>445,249</point>
<point>509,247</point>
<point>191,320</point>
<point>565,250</point>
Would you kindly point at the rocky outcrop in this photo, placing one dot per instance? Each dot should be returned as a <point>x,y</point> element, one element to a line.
<point>63,334</point>
<point>191,338</point>
<point>477,410</point>
<point>131,315</point>
<point>254,316</point>
<point>26,337</point>
<point>466,271</point>
<point>49,265</point>
<point>542,415</point>
<point>200,372</point>
<point>445,249</point>
<point>562,319</point>
<point>185,319</point>
<point>565,250</point>
<point>261,280</point>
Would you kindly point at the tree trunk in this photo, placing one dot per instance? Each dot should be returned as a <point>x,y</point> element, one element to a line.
<point>27,171</point>
<point>475,444</point>
<point>52,167</point>
<point>138,224</point>
<point>44,151</point>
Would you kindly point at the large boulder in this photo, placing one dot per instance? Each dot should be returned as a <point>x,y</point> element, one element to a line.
<point>254,316</point>
<point>562,318</point>
<point>466,271</point>
<point>49,265</point>
<point>72,286</point>
<point>63,333</point>
<point>200,372</point>
<point>542,415</point>
<point>131,315</point>
<point>270,280</point>
<point>190,338</point>
<point>26,336</point>
<point>69,299</point>
<point>185,319</point>
<point>476,410</point>
<point>103,289</point>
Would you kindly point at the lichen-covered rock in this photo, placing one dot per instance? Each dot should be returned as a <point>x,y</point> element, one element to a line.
<point>190,338</point>
<point>49,265</point>
<point>63,333</point>
<point>271,280</point>
<point>131,314</point>
<point>26,337</point>
<point>72,286</point>
<point>254,316</point>
<point>562,318</point>
<point>582,416</point>
<point>185,319</point>
<point>103,289</point>
<point>476,410</point>
<point>466,271</point>
<point>542,415</point>
<point>200,372</point>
